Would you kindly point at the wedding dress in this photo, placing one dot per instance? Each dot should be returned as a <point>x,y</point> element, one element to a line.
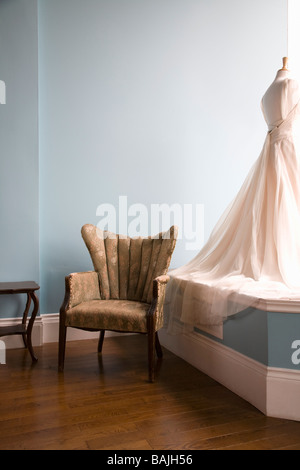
<point>254,251</point>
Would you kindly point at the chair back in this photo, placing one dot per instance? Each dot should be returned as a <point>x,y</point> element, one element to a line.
<point>127,266</point>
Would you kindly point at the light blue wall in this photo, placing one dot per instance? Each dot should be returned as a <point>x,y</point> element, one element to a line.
<point>248,333</point>
<point>19,157</point>
<point>157,100</point>
<point>283,331</point>
<point>266,337</point>
<point>151,99</point>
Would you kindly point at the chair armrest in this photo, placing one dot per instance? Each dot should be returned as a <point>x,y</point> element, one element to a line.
<point>81,287</point>
<point>162,280</point>
<point>156,311</point>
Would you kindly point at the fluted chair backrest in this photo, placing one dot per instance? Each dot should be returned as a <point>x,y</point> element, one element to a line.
<point>127,266</point>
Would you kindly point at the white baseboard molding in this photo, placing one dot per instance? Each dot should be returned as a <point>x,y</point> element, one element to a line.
<point>16,341</point>
<point>51,330</point>
<point>275,392</point>
<point>45,330</point>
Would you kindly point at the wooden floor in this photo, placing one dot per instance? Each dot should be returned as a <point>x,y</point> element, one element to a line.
<point>105,402</point>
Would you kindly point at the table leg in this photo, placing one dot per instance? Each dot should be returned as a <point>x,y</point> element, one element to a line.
<point>25,315</point>
<point>30,325</point>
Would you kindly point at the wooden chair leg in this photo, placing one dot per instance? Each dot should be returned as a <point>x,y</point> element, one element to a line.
<point>151,355</point>
<point>101,339</point>
<point>62,346</point>
<point>158,347</point>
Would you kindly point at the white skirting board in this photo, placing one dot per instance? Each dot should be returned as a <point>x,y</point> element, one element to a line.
<point>45,330</point>
<point>275,392</point>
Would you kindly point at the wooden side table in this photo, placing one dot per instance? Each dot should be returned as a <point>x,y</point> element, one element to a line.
<point>29,288</point>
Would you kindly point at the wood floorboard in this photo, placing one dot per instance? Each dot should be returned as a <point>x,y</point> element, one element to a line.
<point>106,403</point>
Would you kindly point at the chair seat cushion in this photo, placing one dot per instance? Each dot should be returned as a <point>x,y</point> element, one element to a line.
<point>115,315</point>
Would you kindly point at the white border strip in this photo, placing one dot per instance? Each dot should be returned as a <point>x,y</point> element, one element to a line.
<point>16,341</point>
<point>46,330</point>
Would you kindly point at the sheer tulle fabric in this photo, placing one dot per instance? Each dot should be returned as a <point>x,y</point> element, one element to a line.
<point>254,251</point>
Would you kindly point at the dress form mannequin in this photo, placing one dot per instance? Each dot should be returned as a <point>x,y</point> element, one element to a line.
<point>275,104</point>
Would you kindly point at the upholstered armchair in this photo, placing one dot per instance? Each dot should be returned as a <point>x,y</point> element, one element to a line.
<point>125,292</point>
